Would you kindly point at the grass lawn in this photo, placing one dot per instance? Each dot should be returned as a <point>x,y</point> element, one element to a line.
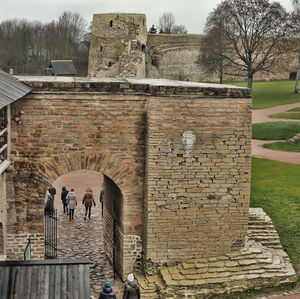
<point>294,109</point>
<point>275,130</point>
<point>272,93</point>
<point>275,187</point>
<point>284,146</point>
<point>286,115</point>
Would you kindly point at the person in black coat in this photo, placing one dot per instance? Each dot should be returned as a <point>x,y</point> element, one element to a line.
<point>131,290</point>
<point>107,292</point>
<point>64,194</point>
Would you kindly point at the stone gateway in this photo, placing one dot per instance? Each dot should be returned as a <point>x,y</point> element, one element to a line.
<point>176,163</point>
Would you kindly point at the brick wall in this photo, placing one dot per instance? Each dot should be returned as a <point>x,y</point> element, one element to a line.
<point>198,166</point>
<point>61,132</point>
<point>198,177</point>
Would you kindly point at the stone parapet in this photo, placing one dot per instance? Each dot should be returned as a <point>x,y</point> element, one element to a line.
<point>160,87</point>
<point>260,263</point>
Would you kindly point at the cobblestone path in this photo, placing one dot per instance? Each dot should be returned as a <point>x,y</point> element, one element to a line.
<point>81,238</point>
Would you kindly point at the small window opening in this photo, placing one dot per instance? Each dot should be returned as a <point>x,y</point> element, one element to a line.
<point>144,48</point>
<point>4,155</point>
<point>143,22</point>
<point>101,48</point>
<point>111,23</point>
<point>110,64</point>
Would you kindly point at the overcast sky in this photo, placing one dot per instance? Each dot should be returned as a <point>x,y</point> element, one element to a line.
<point>191,13</point>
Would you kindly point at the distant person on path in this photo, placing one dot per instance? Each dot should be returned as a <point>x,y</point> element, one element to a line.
<point>71,203</point>
<point>64,193</point>
<point>107,292</point>
<point>88,201</point>
<point>131,290</point>
<point>49,200</point>
<point>101,199</point>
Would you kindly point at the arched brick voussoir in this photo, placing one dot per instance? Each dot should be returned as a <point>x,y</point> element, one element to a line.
<point>122,172</point>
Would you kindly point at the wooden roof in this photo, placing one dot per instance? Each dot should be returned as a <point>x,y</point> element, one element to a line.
<point>11,89</point>
<point>63,67</point>
<point>45,279</point>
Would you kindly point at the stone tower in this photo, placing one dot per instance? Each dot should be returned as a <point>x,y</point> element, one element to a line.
<point>118,45</point>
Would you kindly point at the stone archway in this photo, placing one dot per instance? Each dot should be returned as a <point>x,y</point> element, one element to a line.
<point>121,172</point>
<point>86,238</point>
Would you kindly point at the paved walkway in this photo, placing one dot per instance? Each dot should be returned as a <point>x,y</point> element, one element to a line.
<point>84,238</point>
<point>261,116</point>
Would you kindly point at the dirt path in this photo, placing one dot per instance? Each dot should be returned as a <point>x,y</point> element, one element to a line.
<point>261,116</point>
<point>260,152</point>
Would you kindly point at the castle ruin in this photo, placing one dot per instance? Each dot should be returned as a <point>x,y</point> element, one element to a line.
<point>121,47</point>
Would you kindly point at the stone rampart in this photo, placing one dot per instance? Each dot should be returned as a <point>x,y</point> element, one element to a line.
<point>174,56</point>
<point>101,124</point>
<point>176,163</point>
<point>120,47</point>
<point>118,44</point>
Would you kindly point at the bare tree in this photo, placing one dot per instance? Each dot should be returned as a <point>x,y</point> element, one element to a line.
<point>257,32</point>
<point>213,50</point>
<point>296,4</point>
<point>28,46</point>
<point>167,24</point>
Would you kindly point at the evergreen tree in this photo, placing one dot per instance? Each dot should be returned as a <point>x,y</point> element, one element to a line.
<point>152,30</point>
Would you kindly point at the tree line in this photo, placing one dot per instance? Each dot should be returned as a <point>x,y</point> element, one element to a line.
<point>27,46</point>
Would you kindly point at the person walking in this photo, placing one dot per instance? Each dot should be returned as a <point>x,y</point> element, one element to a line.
<point>64,193</point>
<point>71,203</point>
<point>49,201</point>
<point>107,292</point>
<point>88,201</point>
<point>131,290</point>
<point>52,191</point>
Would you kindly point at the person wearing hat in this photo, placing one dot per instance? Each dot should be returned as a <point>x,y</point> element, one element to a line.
<point>131,290</point>
<point>107,292</point>
<point>71,203</point>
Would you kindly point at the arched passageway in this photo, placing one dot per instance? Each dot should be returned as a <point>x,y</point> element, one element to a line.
<point>87,238</point>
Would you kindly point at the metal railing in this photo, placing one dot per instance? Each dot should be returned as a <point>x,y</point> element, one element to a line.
<point>27,252</point>
<point>51,235</point>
